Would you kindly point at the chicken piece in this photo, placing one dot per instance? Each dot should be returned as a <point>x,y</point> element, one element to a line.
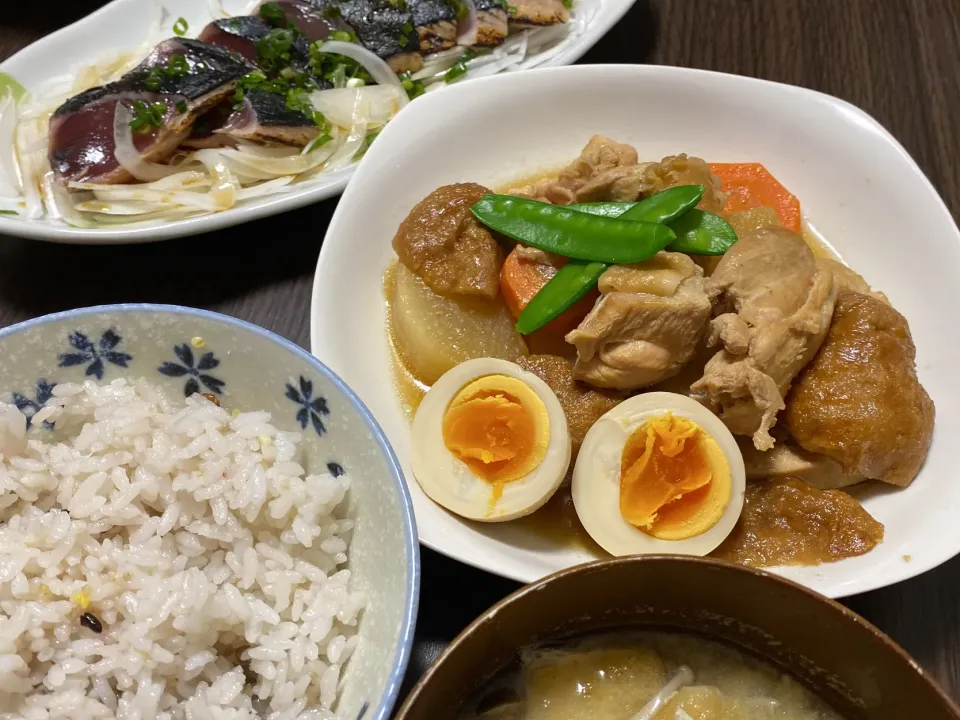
<point>682,170</point>
<point>860,401</point>
<point>775,304</point>
<point>443,243</point>
<point>600,155</point>
<point>646,325</point>
<point>620,184</point>
<point>847,279</point>
<point>582,404</point>
<point>787,459</point>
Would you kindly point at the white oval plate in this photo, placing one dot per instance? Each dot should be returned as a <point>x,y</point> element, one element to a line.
<point>857,185</point>
<point>123,25</point>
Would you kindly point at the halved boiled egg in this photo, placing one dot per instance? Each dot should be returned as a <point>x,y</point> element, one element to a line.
<point>490,441</point>
<point>659,474</point>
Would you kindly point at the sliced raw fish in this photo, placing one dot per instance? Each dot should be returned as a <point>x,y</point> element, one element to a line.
<point>315,20</point>
<point>491,22</point>
<point>436,24</point>
<point>385,28</point>
<point>82,145</point>
<point>265,116</point>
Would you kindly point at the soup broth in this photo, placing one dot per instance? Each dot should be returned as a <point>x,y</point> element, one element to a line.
<point>643,676</point>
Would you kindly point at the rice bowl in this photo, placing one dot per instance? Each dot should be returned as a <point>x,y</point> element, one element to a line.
<point>164,556</point>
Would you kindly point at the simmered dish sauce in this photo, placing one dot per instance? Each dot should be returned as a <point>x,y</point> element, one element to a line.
<point>656,676</point>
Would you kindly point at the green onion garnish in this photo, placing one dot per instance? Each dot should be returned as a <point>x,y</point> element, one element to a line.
<point>459,68</point>
<point>182,106</point>
<point>177,66</point>
<point>319,142</point>
<point>342,36</point>
<point>273,14</point>
<point>9,212</point>
<point>147,117</point>
<point>180,27</point>
<point>413,87</point>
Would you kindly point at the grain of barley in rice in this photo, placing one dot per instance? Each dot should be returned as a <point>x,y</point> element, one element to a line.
<point>213,563</point>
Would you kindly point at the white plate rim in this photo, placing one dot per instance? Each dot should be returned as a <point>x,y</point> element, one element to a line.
<point>906,570</point>
<point>44,230</point>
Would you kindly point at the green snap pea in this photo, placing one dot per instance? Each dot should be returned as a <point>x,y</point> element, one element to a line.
<point>578,277</point>
<point>702,233</point>
<point>663,207</point>
<point>572,282</point>
<point>570,233</point>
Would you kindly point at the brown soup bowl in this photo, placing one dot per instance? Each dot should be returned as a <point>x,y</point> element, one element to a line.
<point>842,658</point>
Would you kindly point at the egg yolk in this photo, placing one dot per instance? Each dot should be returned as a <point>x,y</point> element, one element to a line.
<point>498,426</point>
<point>675,481</point>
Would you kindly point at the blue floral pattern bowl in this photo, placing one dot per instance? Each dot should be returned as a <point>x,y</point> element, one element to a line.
<point>185,351</point>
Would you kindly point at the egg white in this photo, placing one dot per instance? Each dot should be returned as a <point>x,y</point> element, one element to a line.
<point>450,482</point>
<point>596,477</point>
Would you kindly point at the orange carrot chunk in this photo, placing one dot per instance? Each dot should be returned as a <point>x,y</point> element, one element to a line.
<point>750,185</point>
<point>522,279</point>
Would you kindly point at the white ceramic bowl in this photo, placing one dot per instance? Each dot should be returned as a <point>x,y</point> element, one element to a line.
<point>856,184</point>
<point>123,25</point>
<point>251,368</point>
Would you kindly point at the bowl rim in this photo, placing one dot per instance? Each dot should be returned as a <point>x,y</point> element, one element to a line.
<point>410,536</point>
<point>519,595</point>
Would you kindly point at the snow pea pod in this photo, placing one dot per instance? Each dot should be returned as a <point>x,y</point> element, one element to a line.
<point>578,277</point>
<point>572,282</point>
<point>702,233</point>
<point>570,233</point>
<point>662,207</point>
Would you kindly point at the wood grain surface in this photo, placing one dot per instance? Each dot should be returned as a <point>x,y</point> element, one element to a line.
<point>897,59</point>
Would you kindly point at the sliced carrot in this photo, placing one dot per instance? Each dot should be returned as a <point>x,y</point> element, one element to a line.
<point>750,185</point>
<point>522,279</point>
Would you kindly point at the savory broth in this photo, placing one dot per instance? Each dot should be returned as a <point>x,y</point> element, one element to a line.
<point>648,675</point>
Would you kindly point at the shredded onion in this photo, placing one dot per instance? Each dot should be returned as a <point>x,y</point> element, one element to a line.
<point>126,152</point>
<point>467,30</point>
<point>372,104</point>
<point>9,177</point>
<point>378,68</point>
<point>683,678</point>
<point>344,154</point>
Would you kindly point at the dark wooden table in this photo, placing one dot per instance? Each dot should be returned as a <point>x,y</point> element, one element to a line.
<point>897,59</point>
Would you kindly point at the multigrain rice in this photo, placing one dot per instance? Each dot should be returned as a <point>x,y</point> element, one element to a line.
<point>212,561</point>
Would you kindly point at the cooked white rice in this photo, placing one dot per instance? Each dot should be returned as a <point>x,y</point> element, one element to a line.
<point>212,560</point>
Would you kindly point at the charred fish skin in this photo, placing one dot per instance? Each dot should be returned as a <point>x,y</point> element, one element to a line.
<point>384,29</point>
<point>243,35</point>
<point>265,116</point>
<point>238,34</point>
<point>436,24</point>
<point>212,71</point>
<point>492,22</point>
<point>314,20</point>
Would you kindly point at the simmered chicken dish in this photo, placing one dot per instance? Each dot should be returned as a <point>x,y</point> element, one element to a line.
<point>642,676</point>
<point>651,357</point>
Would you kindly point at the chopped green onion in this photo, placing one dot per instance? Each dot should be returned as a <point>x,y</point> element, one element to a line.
<point>567,3</point>
<point>147,117</point>
<point>180,27</point>
<point>9,212</point>
<point>273,14</point>
<point>511,9</point>
<point>399,4</point>
<point>177,66</point>
<point>459,68</point>
<point>342,36</point>
<point>413,87</point>
<point>182,106</point>
<point>368,140</point>
<point>273,50</point>
<point>319,142</point>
